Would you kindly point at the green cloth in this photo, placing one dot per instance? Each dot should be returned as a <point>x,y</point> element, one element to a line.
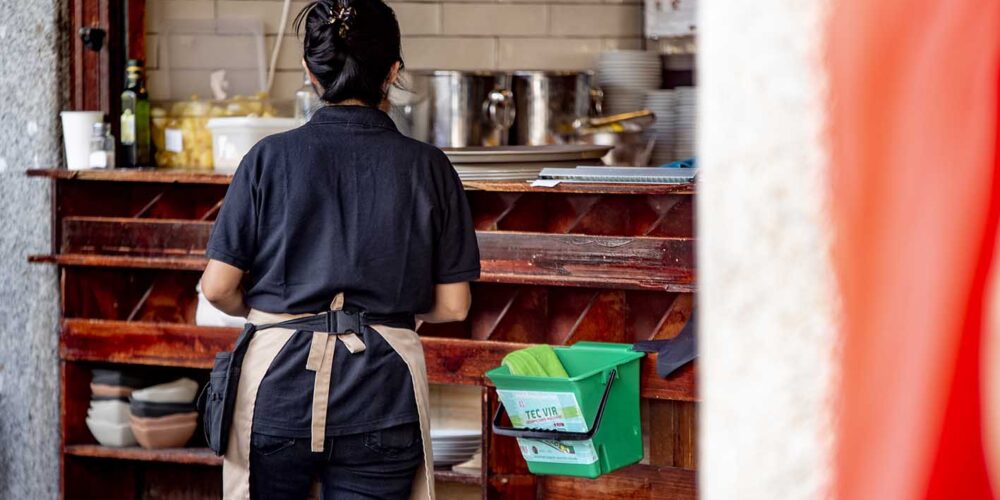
<point>535,361</point>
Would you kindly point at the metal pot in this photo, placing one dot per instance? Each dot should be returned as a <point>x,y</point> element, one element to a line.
<point>454,108</point>
<point>548,102</point>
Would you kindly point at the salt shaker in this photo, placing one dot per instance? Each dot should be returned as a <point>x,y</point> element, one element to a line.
<point>102,146</point>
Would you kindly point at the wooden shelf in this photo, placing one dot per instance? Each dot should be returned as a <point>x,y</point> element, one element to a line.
<point>204,456</point>
<point>581,188</point>
<point>193,456</point>
<point>178,176</point>
<point>450,476</point>
<point>653,481</point>
<point>182,176</point>
<point>187,263</point>
<point>625,263</point>
<point>449,360</point>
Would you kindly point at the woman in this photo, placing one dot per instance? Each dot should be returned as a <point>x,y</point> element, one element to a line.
<point>342,214</point>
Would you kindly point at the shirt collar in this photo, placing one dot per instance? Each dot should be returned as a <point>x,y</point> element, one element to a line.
<point>353,115</point>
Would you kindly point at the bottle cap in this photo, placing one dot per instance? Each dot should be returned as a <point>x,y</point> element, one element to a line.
<point>101,129</point>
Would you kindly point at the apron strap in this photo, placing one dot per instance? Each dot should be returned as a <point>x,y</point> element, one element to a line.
<point>342,325</point>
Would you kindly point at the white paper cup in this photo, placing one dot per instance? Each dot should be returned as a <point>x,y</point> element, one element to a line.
<point>78,126</point>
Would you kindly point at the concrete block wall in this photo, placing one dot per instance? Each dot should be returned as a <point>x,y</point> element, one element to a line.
<point>33,84</point>
<point>444,34</point>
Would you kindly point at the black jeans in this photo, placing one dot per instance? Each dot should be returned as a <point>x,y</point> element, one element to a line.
<point>378,464</point>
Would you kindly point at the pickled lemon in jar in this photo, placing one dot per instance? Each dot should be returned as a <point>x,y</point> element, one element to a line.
<point>181,135</point>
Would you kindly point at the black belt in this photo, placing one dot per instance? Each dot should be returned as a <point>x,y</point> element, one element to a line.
<point>344,321</point>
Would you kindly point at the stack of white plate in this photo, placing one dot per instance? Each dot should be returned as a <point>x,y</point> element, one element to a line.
<point>661,103</point>
<point>685,124</point>
<point>517,163</point>
<point>625,76</point>
<point>454,446</point>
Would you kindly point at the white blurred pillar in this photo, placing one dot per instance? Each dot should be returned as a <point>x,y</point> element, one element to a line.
<point>766,284</point>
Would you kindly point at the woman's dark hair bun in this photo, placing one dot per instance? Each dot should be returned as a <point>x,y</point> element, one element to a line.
<point>350,47</point>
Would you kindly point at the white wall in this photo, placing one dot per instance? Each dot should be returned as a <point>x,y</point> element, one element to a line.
<point>445,34</point>
<point>765,279</point>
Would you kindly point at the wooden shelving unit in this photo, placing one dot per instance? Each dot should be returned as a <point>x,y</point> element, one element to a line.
<point>584,262</point>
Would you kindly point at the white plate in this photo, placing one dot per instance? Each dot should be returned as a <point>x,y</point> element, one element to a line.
<point>454,445</point>
<point>455,434</point>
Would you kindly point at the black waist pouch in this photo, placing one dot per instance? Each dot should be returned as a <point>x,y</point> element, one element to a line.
<point>218,399</point>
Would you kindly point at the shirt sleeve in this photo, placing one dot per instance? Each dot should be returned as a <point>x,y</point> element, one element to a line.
<point>234,234</point>
<point>457,258</point>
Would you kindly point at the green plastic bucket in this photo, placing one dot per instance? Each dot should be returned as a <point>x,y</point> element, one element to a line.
<point>559,423</point>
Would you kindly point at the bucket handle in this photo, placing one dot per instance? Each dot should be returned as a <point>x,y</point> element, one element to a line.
<point>530,433</point>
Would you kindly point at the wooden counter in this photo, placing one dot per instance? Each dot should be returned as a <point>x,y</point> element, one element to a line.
<point>574,262</point>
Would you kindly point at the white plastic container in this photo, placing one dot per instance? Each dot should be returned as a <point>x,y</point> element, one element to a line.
<point>232,137</point>
<point>78,126</point>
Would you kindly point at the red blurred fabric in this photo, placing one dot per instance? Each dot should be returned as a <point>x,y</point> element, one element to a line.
<point>914,202</point>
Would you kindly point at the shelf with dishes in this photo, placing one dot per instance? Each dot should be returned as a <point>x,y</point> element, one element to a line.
<point>130,412</point>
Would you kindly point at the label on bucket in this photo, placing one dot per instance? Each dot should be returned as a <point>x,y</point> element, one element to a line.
<point>544,410</point>
<point>558,452</point>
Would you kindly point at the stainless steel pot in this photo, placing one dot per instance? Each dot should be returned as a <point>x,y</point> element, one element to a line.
<point>454,108</point>
<point>547,103</point>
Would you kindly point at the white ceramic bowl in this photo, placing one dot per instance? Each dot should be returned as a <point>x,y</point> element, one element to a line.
<point>182,390</point>
<point>111,412</point>
<point>110,434</point>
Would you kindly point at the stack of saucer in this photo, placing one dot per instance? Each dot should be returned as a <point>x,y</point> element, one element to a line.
<point>454,446</point>
<point>661,103</point>
<point>625,76</point>
<point>164,416</point>
<point>685,122</point>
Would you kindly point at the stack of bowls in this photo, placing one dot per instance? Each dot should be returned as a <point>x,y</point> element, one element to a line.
<point>108,415</point>
<point>454,446</point>
<point>685,122</point>
<point>625,76</point>
<point>164,416</point>
<point>661,103</point>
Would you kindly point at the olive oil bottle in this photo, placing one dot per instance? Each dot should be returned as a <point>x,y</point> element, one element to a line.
<point>135,117</point>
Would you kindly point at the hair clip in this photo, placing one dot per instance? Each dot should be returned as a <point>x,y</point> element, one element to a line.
<point>342,17</point>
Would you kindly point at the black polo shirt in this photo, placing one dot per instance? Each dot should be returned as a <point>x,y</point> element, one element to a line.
<point>344,203</point>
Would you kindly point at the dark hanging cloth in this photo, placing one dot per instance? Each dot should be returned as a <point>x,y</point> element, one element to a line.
<point>676,352</point>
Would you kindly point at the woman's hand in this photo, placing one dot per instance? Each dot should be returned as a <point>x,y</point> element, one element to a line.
<point>451,303</point>
<point>222,285</point>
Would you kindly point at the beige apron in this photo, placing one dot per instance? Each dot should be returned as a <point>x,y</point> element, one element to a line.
<point>264,347</point>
